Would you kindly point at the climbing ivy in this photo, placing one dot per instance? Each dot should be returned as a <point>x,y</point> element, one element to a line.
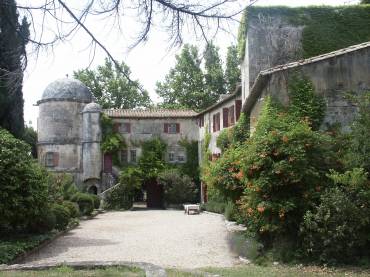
<point>325,29</point>
<point>242,35</point>
<point>305,103</point>
<point>112,141</point>
<point>191,166</point>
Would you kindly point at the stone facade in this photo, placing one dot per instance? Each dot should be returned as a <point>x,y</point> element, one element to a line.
<point>70,135</point>
<point>273,56</point>
<point>69,131</point>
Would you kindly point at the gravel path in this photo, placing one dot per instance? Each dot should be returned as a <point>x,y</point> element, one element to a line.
<point>166,238</point>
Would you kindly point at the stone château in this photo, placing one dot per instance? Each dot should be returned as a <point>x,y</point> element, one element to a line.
<point>69,130</point>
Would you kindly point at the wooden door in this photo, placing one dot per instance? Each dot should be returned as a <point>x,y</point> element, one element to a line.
<point>154,193</point>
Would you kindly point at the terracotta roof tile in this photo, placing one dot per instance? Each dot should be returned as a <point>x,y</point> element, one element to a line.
<point>150,113</point>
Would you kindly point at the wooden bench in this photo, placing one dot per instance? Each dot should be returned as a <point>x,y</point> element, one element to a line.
<point>195,208</point>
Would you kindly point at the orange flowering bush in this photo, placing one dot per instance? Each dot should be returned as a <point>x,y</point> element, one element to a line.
<point>281,174</point>
<point>226,176</point>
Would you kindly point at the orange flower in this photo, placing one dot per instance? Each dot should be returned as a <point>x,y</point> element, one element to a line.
<point>250,211</point>
<point>261,209</point>
<point>240,175</point>
<point>285,139</point>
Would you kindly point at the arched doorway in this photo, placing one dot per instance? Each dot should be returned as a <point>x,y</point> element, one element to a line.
<point>93,190</point>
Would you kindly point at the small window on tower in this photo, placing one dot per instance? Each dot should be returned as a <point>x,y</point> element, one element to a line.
<point>50,160</point>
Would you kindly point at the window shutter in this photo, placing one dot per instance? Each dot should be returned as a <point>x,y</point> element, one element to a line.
<point>231,115</point>
<point>177,128</point>
<point>116,127</point>
<point>55,158</point>
<point>128,127</point>
<point>225,117</point>
<point>218,122</point>
<point>238,108</point>
<point>214,123</point>
<point>165,128</point>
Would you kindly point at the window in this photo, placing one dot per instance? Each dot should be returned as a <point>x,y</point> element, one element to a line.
<point>133,155</point>
<point>124,158</point>
<point>172,128</point>
<point>125,128</point>
<point>181,157</point>
<point>49,159</point>
<point>171,157</point>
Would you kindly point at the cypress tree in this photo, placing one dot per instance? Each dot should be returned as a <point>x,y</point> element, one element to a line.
<point>13,39</point>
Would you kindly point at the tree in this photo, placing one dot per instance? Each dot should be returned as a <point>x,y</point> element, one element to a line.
<point>30,137</point>
<point>364,2</point>
<point>232,71</point>
<point>183,86</point>
<point>55,20</point>
<point>213,75</point>
<point>111,88</point>
<point>13,39</point>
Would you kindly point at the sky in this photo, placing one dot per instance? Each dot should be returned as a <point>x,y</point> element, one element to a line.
<point>149,62</point>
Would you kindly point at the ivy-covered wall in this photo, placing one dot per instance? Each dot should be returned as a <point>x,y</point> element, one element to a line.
<point>278,35</point>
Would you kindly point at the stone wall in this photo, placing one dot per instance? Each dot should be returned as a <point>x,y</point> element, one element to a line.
<point>143,129</point>
<point>332,77</point>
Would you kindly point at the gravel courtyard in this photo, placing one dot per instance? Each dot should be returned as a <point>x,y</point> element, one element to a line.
<point>165,238</point>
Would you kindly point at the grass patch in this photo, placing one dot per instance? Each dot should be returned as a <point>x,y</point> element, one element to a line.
<point>271,271</point>
<point>11,247</point>
<point>65,271</point>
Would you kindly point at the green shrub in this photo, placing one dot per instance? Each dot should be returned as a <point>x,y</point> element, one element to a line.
<point>223,140</point>
<point>17,245</point>
<point>62,216</point>
<point>85,202</point>
<point>61,187</point>
<point>24,190</point>
<point>214,206</point>
<point>96,200</point>
<point>225,174</point>
<point>240,132</point>
<point>178,188</point>
<point>72,207</point>
<point>337,229</point>
<point>118,198</point>
<point>359,145</point>
<point>231,211</point>
<point>122,195</point>
<point>43,223</point>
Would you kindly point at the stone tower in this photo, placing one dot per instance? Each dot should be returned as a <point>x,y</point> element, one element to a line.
<point>91,153</point>
<point>60,128</point>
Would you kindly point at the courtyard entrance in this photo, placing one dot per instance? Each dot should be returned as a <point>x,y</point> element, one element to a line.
<point>154,195</point>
